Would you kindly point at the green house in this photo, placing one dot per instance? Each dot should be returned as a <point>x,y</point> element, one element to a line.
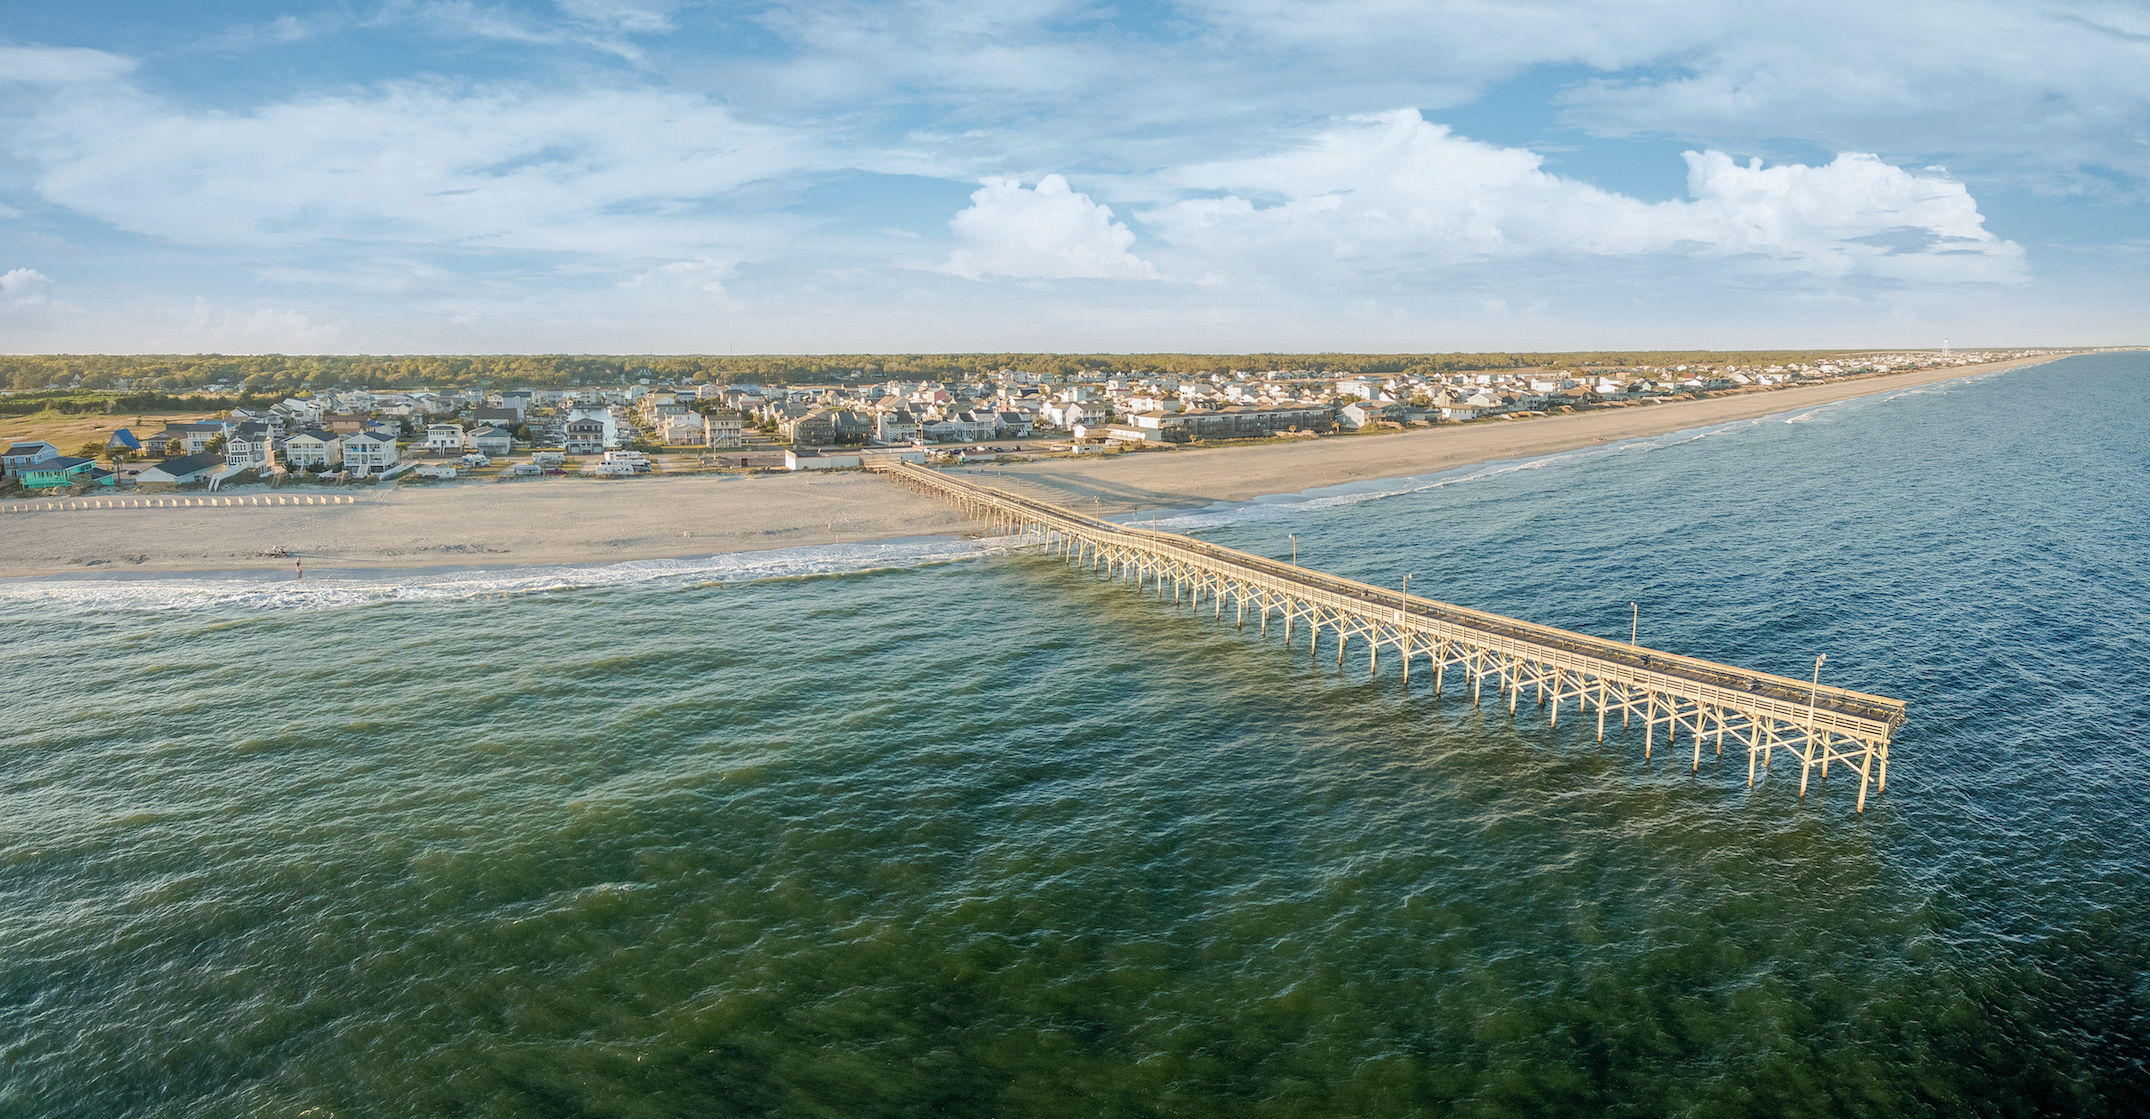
<point>54,472</point>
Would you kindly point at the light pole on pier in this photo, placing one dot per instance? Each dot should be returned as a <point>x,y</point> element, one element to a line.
<point>1815,695</point>
<point>1634,625</point>
<point>1294,548</point>
<point>1407,585</point>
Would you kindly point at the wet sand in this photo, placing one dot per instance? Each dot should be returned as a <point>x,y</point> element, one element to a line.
<point>565,520</point>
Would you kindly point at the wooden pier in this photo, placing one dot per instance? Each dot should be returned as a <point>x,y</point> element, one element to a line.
<point>1772,717</point>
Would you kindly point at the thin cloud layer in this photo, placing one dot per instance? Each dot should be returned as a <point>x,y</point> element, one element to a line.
<point>600,170</point>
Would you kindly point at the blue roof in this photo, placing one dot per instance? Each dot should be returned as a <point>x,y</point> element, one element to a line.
<point>125,438</point>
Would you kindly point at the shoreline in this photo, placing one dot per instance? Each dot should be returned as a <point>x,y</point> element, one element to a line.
<point>525,524</point>
<point>1199,477</point>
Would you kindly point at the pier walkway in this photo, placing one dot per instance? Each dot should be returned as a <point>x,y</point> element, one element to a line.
<point>1773,717</point>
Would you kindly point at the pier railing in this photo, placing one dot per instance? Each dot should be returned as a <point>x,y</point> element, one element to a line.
<point>1772,716</point>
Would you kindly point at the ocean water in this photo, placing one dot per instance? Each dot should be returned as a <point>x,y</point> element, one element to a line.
<point>940,828</point>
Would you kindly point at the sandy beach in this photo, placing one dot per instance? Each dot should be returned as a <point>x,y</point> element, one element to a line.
<point>1195,477</point>
<point>576,520</point>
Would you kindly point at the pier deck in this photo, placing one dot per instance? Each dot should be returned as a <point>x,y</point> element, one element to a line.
<point>1771,716</point>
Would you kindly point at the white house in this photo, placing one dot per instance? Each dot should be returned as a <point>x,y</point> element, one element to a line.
<point>609,421</point>
<point>444,437</point>
<point>682,430</point>
<point>1119,433</point>
<point>1068,413</point>
<point>254,449</point>
<point>191,468</point>
<point>366,452</point>
<point>313,447</point>
<point>490,440</point>
<point>897,426</point>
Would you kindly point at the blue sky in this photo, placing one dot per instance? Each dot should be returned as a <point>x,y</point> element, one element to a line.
<point>610,176</point>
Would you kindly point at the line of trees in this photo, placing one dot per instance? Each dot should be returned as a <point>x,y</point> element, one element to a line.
<point>273,376</point>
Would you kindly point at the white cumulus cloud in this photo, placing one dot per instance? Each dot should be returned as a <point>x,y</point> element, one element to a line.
<point>25,293</point>
<point>1051,232</point>
<point>1395,186</point>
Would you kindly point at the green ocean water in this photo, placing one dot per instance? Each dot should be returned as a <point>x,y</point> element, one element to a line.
<point>932,828</point>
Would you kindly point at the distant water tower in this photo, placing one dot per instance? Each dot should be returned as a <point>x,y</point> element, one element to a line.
<point>1944,347</point>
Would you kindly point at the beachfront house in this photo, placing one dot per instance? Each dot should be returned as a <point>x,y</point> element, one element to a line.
<point>313,447</point>
<point>490,440</point>
<point>182,470</point>
<point>1362,414</point>
<point>367,452</point>
<point>584,437</point>
<point>19,455</point>
<point>444,437</point>
<point>251,445</point>
<point>63,471</point>
<point>608,424</point>
<point>1235,423</point>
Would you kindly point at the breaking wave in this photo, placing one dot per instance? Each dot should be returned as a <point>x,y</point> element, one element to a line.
<point>328,590</point>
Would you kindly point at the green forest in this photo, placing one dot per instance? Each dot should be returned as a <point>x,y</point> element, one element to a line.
<point>278,375</point>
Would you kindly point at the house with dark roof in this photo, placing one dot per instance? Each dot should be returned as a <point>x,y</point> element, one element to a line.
<point>61,471</point>
<point>251,444</point>
<point>491,440</point>
<point>188,468</point>
<point>187,438</point>
<point>368,451</point>
<point>19,455</point>
<point>585,437</point>
<point>313,447</point>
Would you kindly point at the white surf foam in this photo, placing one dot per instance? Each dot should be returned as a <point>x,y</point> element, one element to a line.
<point>326,590</point>
<point>1352,493</point>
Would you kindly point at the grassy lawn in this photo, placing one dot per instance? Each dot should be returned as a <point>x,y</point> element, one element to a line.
<point>69,430</point>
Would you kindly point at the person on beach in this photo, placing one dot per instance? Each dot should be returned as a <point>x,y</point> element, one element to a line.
<point>300,567</point>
